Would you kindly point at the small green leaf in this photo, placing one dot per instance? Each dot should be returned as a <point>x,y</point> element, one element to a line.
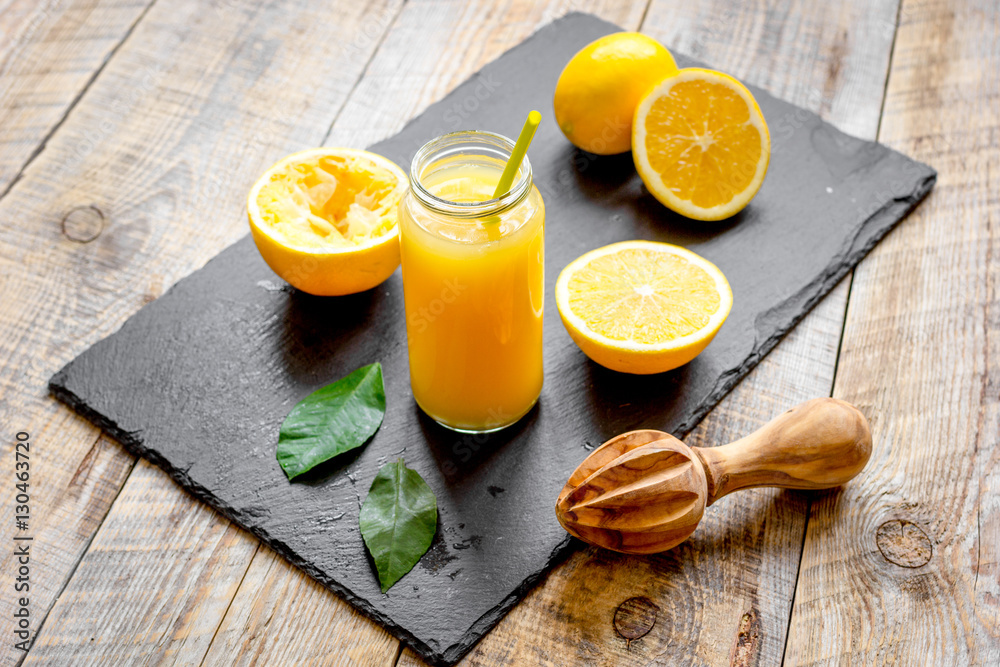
<point>332,420</point>
<point>398,520</point>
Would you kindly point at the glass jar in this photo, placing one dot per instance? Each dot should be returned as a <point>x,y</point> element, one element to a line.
<point>473,283</point>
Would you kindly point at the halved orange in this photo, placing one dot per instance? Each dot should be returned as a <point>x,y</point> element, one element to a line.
<point>642,307</point>
<point>700,144</point>
<point>324,219</point>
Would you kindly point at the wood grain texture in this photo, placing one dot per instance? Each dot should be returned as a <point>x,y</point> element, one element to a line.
<point>159,151</point>
<point>642,492</point>
<point>456,39</point>
<point>132,622</point>
<point>49,52</point>
<point>731,585</point>
<point>279,616</point>
<point>134,378</point>
<point>901,567</point>
<point>818,444</point>
<point>645,491</point>
<point>69,499</point>
<point>773,392</point>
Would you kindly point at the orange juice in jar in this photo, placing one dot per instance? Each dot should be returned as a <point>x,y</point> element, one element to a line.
<point>473,283</point>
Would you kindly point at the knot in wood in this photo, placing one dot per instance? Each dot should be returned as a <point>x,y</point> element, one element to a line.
<point>635,617</point>
<point>83,224</point>
<point>746,647</point>
<point>904,543</point>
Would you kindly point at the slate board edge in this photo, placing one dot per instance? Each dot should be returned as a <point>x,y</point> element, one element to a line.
<point>812,294</point>
<point>445,658</point>
<point>450,655</point>
<point>135,446</point>
<point>488,621</point>
<point>573,15</point>
<point>808,297</point>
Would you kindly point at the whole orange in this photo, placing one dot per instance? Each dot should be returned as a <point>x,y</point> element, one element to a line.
<point>599,90</point>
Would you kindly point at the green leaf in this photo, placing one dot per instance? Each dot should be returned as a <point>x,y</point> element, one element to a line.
<point>332,420</point>
<point>398,520</point>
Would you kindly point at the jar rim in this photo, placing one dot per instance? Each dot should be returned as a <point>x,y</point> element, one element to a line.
<point>452,144</point>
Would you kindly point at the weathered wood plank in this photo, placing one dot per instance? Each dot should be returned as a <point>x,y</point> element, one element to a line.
<point>279,616</point>
<point>754,419</point>
<point>69,499</point>
<point>731,586</point>
<point>901,566</point>
<point>49,52</point>
<point>110,615</point>
<point>456,38</point>
<point>152,165</point>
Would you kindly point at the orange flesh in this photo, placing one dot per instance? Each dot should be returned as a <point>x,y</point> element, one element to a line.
<point>702,143</point>
<point>331,201</point>
<point>646,297</point>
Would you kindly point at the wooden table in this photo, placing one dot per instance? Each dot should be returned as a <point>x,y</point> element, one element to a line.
<point>130,131</point>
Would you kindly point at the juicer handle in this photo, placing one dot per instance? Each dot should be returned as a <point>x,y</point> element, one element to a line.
<point>816,445</point>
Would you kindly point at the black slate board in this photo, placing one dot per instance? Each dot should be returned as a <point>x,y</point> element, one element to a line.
<point>200,380</point>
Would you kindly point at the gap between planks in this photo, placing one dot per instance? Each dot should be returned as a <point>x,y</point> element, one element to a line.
<point>228,606</point>
<point>357,81</point>
<point>364,70</point>
<point>916,354</point>
<point>36,152</point>
<point>79,559</point>
<point>840,340</point>
<point>72,105</point>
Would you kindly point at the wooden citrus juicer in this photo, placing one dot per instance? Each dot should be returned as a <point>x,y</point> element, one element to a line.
<point>645,491</point>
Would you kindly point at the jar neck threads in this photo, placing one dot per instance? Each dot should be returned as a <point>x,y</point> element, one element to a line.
<point>473,147</point>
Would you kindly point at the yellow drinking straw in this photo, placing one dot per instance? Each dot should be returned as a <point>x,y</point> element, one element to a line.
<point>517,155</point>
